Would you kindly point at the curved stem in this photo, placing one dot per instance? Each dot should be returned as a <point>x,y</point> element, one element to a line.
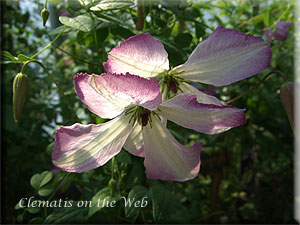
<point>254,87</point>
<point>47,46</point>
<point>55,82</point>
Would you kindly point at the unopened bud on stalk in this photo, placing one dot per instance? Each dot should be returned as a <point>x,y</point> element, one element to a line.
<point>112,186</point>
<point>44,15</point>
<point>287,99</point>
<point>20,86</point>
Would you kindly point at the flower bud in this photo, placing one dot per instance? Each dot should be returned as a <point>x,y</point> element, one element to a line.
<point>44,15</point>
<point>287,99</point>
<point>112,186</point>
<point>20,86</point>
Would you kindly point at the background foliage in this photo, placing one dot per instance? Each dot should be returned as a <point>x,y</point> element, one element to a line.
<point>246,173</point>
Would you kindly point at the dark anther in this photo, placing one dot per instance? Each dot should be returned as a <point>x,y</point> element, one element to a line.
<point>173,85</point>
<point>144,115</point>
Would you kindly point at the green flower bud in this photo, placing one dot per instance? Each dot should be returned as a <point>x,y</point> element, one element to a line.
<point>112,186</point>
<point>44,15</point>
<point>287,100</point>
<point>20,86</point>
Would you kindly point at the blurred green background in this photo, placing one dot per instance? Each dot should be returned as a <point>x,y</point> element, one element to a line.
<point>246,174</point>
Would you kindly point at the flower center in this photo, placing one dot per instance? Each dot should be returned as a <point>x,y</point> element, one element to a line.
<point>169,84</point>
<point>140,115</point>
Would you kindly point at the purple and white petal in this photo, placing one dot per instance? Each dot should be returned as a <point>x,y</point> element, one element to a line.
<point>135,143</point>
<point>186,111</point>
<point>79,148</point>
<point>108,95</point>
<point>165,158</point>
<point>141,55</point>
<point>226,56</point>
<point>201,96</point>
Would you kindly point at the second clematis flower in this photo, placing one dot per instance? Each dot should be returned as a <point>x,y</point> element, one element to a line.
<point>226,56</point>
<point>281,33</point>
<point>135,106</point>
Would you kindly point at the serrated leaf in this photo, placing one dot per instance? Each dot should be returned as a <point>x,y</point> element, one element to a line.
<point>83,23</point>
<point>111,4</point>
<point>99,198</point>
<point>9,56</point>
<point>67,215</point>
<point>137,193</point>
<point>46,190</point>
<point>163,202</point>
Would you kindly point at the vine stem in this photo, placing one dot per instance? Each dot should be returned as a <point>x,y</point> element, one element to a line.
<point>112,167</point>
<point>55,82</point>
<point>45,4</point>
<point>259,83</point>
<point>50,44</point>
<point>54,192</point>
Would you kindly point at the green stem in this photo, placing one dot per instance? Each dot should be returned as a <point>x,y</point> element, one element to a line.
<point>58,186</point>
<point>47,46</point>
<point>254,87</point>
<point>55,82</point>
<point>112,167</point>
<point>54,192</point>
<point>45,5</point>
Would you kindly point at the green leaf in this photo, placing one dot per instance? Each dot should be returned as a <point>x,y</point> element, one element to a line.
<point>200,30</point>
<point>23,58</point>
<point>111,4</point>
<point>163,202</point>
<point>137,194</point>
<point>33,210</point>
<point>46,190</point>
<point>75,4</point>
<point>67,215</point>
<point>100,198</point>
<point>137,173</point>
<point>39,180</point>
<point>123,157</point>
<point>268,19</point>
<point>17,206</point>
<point>57,30</point>
<point>20,218</point>
<point>83,23</point>
<point>49,148</point>
<point>183,40</point>
<point>9,56</point>
<point>46,177</point>
<point>36,220</point>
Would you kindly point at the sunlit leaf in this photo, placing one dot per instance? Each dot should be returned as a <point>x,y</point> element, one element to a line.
<point>112,4</point>
<point>83,23</point>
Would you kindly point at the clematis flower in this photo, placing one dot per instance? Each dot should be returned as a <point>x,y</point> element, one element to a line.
<point>226,56</point>
<point>135,106</point>
<point>281,33</point>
